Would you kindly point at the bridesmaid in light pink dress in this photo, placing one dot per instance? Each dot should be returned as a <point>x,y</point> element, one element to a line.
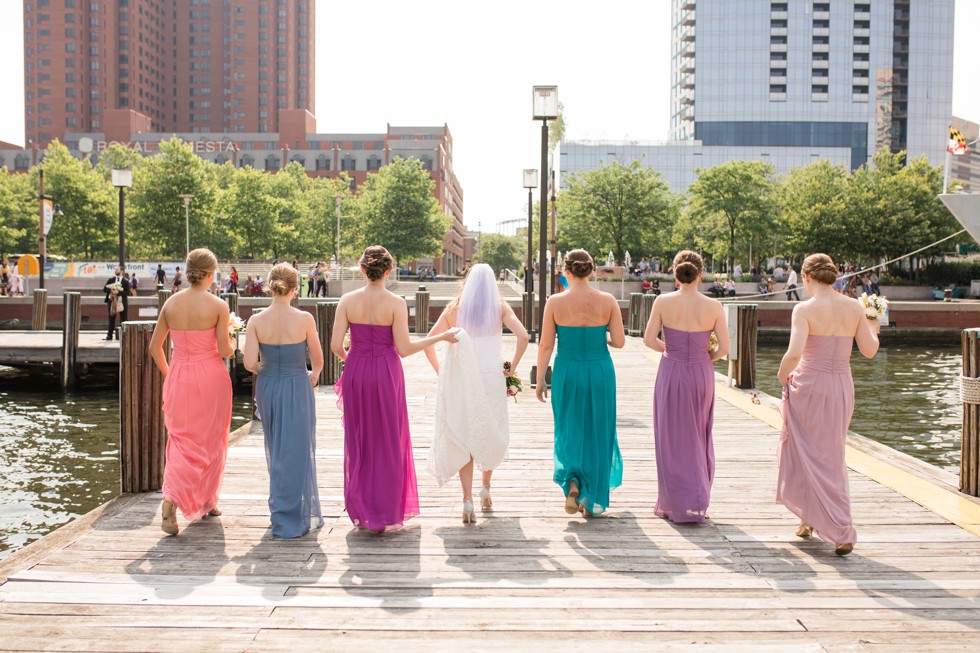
<point>818,400</point>
<point>196,393</point>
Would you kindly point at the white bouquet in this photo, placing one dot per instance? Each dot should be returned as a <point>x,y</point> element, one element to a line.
<point>114,287</point>
<point>875,307</point>
<point>235,325</point>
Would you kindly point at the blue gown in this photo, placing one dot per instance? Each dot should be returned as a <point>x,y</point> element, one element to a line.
<point>583,401</point>
<point>286,407</point>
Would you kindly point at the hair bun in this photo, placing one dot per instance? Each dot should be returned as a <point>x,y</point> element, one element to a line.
<point>375,261</point>
<point>579,263</point>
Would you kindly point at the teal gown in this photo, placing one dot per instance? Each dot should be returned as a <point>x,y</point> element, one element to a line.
<point>583,400</point>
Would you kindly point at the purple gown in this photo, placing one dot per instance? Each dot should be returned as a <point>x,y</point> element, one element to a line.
<point>817,406</point>
<point>683,412</point>
<point>380,490</point>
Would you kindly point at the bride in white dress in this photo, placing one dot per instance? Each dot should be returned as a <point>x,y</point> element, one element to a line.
<point>471,398</point>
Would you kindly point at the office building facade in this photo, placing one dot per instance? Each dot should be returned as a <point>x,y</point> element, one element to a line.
<point>185,66</point>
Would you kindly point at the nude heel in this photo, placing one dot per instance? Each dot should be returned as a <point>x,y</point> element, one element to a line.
<point>468,517</point>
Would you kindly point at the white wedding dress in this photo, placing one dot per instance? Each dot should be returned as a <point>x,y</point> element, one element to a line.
<point>471,407</point>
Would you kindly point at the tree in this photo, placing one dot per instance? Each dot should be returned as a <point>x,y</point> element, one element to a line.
<point>556,130</point>
<point>813,211</point>
<point>616,208</point>
<point>499,251</point>
<point>396,209</point>
<point>88,227</point>
<point>18,214</point>
<point>253,214</point>
<point>734,200</point>
<point>157,216</point>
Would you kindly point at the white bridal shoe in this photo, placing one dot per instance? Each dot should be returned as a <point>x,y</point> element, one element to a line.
<point>485,501</point>
<point>468,517</point>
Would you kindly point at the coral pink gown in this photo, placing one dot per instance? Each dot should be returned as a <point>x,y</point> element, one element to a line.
<point>197,412</point>
<point>817,406</point>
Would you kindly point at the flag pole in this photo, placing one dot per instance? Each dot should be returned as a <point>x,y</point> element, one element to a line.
<point>946,171</point>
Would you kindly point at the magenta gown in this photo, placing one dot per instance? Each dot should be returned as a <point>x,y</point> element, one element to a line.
<point>197,413</point>
<point>380,490</point>
<point>683,413</point>
<point>817,406</point>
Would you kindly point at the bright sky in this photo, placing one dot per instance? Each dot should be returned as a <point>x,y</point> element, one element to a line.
<point>472,66</point>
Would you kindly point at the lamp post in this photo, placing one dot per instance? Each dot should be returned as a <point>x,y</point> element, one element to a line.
<point>46,212</point>
<point>187,197</point>
<point>122,179</point>
<point>530,183</point>
<point>545,108</point>
<point>338,199</point>
<point>554,234</point>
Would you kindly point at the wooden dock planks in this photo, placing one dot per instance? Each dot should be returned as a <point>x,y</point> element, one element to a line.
<point>526,576</point>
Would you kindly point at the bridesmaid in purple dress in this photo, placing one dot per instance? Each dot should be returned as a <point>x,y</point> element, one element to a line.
<point>684,394</point>
<point>818,400</point>
<point>380,490</point>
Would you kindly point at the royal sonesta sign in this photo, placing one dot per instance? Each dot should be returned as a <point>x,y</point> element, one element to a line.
<point>153,146</point>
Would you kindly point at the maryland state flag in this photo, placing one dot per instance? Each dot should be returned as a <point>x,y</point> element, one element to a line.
<point>957,143</point>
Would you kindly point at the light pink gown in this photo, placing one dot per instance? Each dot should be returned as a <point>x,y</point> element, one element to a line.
<point>817,406</point>
<point>197,412</point>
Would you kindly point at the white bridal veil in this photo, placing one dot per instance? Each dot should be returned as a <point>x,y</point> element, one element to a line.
<point>479,304</point>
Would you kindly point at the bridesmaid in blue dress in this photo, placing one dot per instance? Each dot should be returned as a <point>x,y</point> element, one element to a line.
<point>587,460</point>
<point>276,345</point>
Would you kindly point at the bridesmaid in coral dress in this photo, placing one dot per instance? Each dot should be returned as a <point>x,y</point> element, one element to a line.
<point>684,393</point>
<point>380,490</point>
<point>818,400</point>
<point>196,393</point>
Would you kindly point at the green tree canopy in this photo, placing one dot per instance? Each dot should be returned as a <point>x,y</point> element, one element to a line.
<point>396,209</point>
<point>616,208</point>
<point>813,212</point>
<point>500,252</point>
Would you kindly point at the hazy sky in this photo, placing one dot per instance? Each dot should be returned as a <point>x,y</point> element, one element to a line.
<point>472,66</point>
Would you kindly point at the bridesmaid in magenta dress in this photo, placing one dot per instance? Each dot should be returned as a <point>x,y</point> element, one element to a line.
<point>818,400</point>
<point>380,491</point>
<point>196,393</point>
<point>684,393</point>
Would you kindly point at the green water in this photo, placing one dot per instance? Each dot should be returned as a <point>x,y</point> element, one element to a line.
<point>59,455</point>
<point>905,397</point>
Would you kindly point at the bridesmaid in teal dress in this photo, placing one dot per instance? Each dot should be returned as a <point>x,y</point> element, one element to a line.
<point>587,460</point>
<point>276,345</point>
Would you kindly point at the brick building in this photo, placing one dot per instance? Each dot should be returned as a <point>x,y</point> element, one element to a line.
<point>186,66</point>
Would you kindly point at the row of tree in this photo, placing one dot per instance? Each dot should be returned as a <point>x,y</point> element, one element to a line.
<point>882,210</point>
<point>236,212</point>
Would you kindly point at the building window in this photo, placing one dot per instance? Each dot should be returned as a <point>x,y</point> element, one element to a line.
<point>348,163</point>
<point>322,162</point>
<point>272,162</point>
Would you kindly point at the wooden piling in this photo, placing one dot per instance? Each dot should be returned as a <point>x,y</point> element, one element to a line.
<point>231,298</point>
<point>527,313</point>
<point>142,434</point>
<point>970,393</point>
<point>636,303</point>
<point>39,316</point>
<point>421,311</point>
<point>326,313</point>
<point>69,339</point>
<point>748,340</point>
<point>646,307</point>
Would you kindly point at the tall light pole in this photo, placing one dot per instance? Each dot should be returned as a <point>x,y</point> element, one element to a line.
<point>339,200</point>
<point>122,179</point>
<point>187,197</point>
<point>545,108</point>
<point>530,183</point>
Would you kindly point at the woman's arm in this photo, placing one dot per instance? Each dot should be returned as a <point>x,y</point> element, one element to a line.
<point>250,357</point>
<point>545,347</point>
<point>441,326</point>
<point>226,346</point>
<point>340,324</point>
<point>867,335</point>
<point>313,345</point>
<point>160,332</point>
<point>651,336</point>
<point>721,333</point>
<point>509,318</point>
<point>405,345</point>
<point>617,336</point>
<point>799,331</point>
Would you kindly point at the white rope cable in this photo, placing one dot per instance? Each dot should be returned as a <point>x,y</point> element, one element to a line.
<point>853,274</point>
<point>969,390</point>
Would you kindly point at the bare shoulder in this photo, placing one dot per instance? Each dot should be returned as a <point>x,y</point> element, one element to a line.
<point>608,297</point>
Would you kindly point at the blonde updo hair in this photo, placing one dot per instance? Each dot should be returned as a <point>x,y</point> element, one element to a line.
<point>687,266</point>
<point>375,261</point>
<point>820,268</point>
<point>283,278</point>
<point>579,262</point>
<point>200,263</point>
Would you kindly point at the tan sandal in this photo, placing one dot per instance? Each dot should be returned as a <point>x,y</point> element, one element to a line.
<point>805,531</point>
<point>169,523</point>
<point>844,549</point>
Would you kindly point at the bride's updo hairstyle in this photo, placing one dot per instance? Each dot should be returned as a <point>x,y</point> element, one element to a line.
<point>283,278</point>
<point>687,266</point>
<point>200,263</point>
<point>375,261</point>
<point>579,263</point>
<point>820,268</point>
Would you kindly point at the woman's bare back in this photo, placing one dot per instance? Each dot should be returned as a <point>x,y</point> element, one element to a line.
<point>370,305</point>
<point>585,307</point>
<point>191,310</point>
